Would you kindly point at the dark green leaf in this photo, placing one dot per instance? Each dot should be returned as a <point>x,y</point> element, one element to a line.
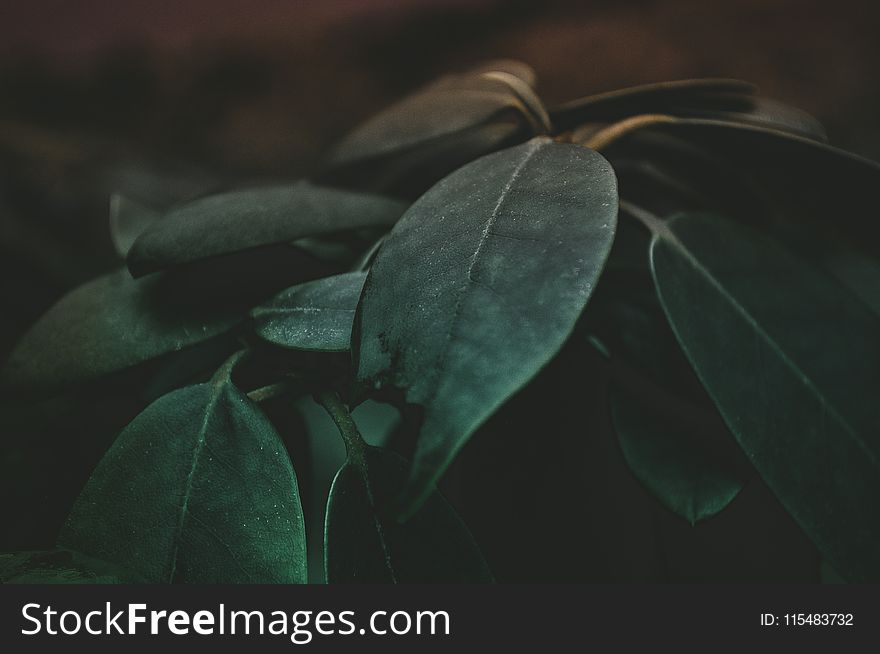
<point>761,112</point>
<point>60,566</point>
<point>197,489</point>
<point>717,94</point>
<point>789,360</point>
<point>673,438</point>
<point>678,466</point>
<point>820,183</point>
<point>238,220</point>
<point>451,104</point>
<point>128,220</point>
<point>859,274</point>
<point>316,315</point>
<point>366,546</point>
<point>667,174</point>
<point>410,145</point>
<point>479,285</point>
<point>115,322</point>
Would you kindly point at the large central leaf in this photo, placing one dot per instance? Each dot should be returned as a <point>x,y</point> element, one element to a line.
<point>479,285</point>
<point>789,357</point>
<point>197,489</point>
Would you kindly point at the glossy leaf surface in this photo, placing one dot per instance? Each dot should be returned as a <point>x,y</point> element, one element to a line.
<point>197,489</point>
<point>479,285</point>
<point>316,315</point>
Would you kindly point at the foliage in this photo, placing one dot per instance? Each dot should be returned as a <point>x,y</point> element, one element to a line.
<point>709,243</point>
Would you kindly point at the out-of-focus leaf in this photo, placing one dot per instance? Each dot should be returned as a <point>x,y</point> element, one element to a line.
<point>859,274</point>
<point>676,465</point>
<point>788,359</point>
<point>714,94</point>
<point>128,220</point>
<point>316,315</point>
<point>673,438</point>
<point>364,543</point>
<point>60,566</point>
<point>410,145</point>
<point>197,489</point>
<point>239,220</point>
<point>479,285</point>
<point>822,185</point>
<point>510,66</point>
<point>115,322</point>
<point>760,112</point>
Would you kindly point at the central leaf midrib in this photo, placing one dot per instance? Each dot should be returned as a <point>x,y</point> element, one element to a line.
<point>216,391</point>
<point>484,237</point>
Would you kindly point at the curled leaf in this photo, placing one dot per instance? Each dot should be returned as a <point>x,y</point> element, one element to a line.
<point>315,315</point>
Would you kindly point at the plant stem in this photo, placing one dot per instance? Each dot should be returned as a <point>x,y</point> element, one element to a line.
<point>272,391</point>
<point>338,411</point>
<point>653,222</point>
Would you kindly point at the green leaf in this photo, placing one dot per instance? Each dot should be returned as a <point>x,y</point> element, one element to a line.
<point>672,437</point>
<point>676,464</point>
<point>114,321</point>
<point>128,220</point>
<point>816,182</point>
<point>790,362</point>
<point>316,315</point>
<point>363,544</point>
<point>452,104</point>
<point>197,489</point>
<point>716,94</point>
<point>410,145</point>
<point>238,220</point>
<point>479,285</point>
<point>60,566</point>
<point>760,112</point>
<point>859,274</point>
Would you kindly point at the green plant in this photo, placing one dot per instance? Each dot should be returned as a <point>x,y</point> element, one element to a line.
<point>439,261</point>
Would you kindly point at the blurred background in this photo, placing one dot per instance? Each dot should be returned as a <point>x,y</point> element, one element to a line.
<point>166,100</point>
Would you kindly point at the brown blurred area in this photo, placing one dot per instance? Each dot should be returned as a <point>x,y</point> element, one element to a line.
<point>166,99</point>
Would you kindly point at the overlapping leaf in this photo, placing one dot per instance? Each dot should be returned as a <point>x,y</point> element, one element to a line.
<point>479,285</point>
<point>364,544</point>
<point>418,140</point>
<point>128,220</point>
<point>818,184</point>
<point>60,566</point>
<point>197,489</point>
<point>239,220</point>
<point>710,94</point>
<point>672,438</point>
<point>115,322</point>
<point>789,359</point>
<point>316,315</point>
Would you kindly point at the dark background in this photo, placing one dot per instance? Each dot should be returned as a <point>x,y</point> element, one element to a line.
<point>166,99</point>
